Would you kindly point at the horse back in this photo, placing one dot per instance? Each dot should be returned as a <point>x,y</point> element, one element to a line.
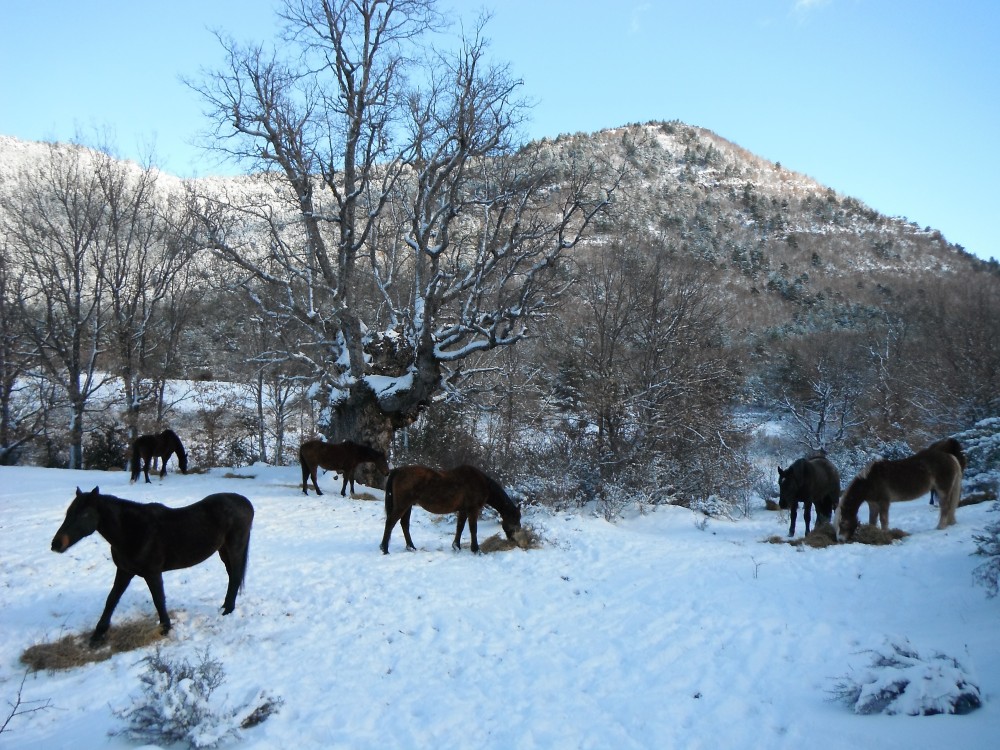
<point>914,476</point>
<point>174,538</point>
<point>435,491</point>
<point>824,477</point>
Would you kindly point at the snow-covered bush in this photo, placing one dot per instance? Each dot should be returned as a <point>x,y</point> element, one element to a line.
<point>988,545</point>
<point>176,705</point>
<point>900,681</point>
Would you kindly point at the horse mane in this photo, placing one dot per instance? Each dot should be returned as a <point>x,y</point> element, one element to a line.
<point>499,499</point>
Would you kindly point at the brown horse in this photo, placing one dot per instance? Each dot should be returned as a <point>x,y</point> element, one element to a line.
<point>884,482</point>
<point>147,539</point>
<point>813,481</point>
<point>340,457</point>
<point>464,490</point>
<point>149,447</point>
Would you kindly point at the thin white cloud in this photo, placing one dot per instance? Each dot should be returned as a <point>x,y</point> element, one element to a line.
<point>637,14</point>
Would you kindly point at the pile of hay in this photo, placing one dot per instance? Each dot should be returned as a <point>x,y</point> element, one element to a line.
<point>524,538</point>
<point>825,535</point>
<point>74,650</point>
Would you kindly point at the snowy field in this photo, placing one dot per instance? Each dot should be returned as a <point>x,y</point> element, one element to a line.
<point>660,631</point>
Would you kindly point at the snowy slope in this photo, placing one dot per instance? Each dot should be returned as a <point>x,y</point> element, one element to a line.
<point>657,632</point>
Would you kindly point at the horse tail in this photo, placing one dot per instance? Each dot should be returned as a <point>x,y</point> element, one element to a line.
<point>246,562</point>
<point>388,492</point>
<point>134,461</point>
<point>246,545</point>
<point>305,467</point>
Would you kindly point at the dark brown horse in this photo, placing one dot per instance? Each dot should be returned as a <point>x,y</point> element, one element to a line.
<point>147,448</point>
<point>884,482</point>
<point>147,539</point>
<point>343,458</point>
<point>813,481</point>
<point>464,490</point>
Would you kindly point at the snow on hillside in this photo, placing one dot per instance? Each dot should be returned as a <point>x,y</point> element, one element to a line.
<point>661,631</point>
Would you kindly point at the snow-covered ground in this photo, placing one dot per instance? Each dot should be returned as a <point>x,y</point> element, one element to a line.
<point>659,631</point>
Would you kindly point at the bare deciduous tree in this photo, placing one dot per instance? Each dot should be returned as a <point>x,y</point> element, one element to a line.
<point>414,231</point>
<point>56,230</point>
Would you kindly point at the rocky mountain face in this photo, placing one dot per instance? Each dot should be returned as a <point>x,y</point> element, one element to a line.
<point>781,244</point>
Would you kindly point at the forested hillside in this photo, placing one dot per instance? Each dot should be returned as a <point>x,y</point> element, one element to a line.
<point>713,285</point>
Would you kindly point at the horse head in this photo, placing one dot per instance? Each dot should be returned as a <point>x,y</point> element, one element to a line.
<point>381,461</point>
<point>182,459</point>
<point>511,523</point>
<point>81,520</point>
<point>788,488</point>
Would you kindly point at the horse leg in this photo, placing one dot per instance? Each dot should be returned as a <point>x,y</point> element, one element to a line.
<point>348,474</point>
<point>873,512</point>
<point>234,556</point>
<point>794,510</point>
<point>807,512</point>
<point>155,583</point>
<point>390,521</point>
<point>459,528</point>
<point>122,580</point>
<point>404,523</point>
<point>145,469</point>
<point>313,472</point>
<point>473,524</point>
<point>163,466</point>
<point>883,515</point>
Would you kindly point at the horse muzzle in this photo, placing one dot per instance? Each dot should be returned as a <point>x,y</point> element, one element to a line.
<point>60,543</point>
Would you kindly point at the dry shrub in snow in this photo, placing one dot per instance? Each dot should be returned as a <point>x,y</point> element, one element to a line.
<point>901,681</point>
<point>177,705</point>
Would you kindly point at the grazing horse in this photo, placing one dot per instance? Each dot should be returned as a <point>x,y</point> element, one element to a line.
<point>884,482</point>
<point>340,457</point>
<point>952,446</point>
<point>464,490</point>
<point>149,447</point>
<point>147,539</point>
<point>813,481</point>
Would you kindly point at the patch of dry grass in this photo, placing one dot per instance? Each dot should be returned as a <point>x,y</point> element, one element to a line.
<point>826,536</point>
<point>524,538</point>
<point>234,475</point>
<point>74,650</point>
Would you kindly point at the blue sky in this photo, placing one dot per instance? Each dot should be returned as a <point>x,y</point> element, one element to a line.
<point>894,102</point>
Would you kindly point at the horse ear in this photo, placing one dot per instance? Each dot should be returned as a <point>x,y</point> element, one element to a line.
<point>781,472</point>
<point>78,493</point>
<point>95,491</point>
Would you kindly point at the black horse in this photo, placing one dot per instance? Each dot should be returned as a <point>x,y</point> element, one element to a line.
<point>149,447</point>
<point>813,481</point>
<point>147,539</point>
